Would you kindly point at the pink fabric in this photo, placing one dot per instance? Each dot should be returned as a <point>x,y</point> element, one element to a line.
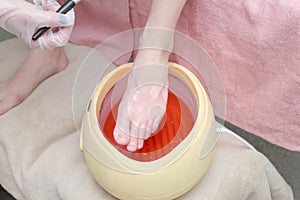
<point>256,46</point>
<point>96,20</point>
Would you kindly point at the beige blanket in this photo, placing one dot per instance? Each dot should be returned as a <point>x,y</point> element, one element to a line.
<point>40,156</point>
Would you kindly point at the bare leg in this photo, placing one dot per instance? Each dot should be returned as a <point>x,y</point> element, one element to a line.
<point>38,66</point>
<point>141,110</point>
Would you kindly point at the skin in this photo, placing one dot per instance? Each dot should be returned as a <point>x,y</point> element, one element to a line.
<point>139,113</point>
<point>40,65</point>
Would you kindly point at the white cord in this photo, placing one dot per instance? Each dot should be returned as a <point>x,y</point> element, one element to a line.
<point>223,129</point>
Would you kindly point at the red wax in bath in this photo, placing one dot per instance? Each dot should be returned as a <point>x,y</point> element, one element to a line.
<point>177,124</point>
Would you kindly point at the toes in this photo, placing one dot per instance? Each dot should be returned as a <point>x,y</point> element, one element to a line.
<point>121,132</point>
<point>155,124</point>
<point>140,143</point>
<point>141,138</point>
<point>132,146</point>
<point>157,115</point>
<point>148,131</point>
<point>121,137</point>
<point>134,133</point>
<point>138,135</point>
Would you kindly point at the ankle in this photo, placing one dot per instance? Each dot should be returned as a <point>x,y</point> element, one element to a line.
<point>56,59</point>
<point>46,53</point>
<point>151,56</point>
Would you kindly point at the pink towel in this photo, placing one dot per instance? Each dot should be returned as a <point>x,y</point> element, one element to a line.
<point>96,20</point>
<point>255,44</point>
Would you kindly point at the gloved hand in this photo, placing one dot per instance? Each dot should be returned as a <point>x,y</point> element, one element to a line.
<point>23,19</point>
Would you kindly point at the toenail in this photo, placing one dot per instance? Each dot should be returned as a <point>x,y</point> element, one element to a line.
<point>131,148</point>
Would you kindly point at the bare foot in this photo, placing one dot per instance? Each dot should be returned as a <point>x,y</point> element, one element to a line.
<point>139,115</point>
<point>143,105</point>
<point>38,66</point>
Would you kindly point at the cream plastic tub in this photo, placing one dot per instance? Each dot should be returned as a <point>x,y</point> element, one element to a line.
<point>166,177</point>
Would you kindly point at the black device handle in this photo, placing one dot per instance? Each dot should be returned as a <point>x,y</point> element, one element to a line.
<point>66,7</point>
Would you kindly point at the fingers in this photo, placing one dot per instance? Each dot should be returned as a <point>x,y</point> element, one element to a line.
<point>64,23</point>
<point>53,19</point>
<point>51,40</point>
<point>47,4</point>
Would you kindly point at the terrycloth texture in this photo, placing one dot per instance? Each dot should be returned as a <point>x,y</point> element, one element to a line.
<point>255,44</point>
<point>40,157</point>
<point>97,20</point>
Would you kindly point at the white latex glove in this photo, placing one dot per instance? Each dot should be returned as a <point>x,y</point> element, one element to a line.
<point>23,19</point>
<point>144,103</point>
